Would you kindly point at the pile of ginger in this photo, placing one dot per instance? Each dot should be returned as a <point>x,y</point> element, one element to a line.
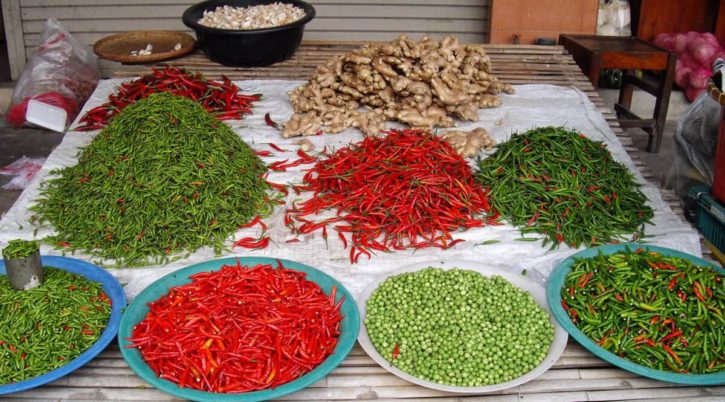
<point>423,84</point>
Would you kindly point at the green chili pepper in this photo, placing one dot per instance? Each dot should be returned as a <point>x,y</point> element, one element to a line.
<point>650,325</point>
<point>45,327</point>
<point>17,249</point>
<point>165,176</point>
<point>559,183</point>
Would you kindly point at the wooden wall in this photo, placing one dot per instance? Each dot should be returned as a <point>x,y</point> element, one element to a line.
<point>90,20</point>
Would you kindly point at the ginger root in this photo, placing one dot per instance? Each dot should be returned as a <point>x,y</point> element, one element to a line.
<point>468,143</point>
<point>424,84</point>
<point>305,145</point>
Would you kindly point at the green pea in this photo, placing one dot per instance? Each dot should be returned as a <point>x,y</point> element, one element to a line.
<point>460,335</point>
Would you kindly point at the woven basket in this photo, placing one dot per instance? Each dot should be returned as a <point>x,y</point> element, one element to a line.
<point>119,47</point>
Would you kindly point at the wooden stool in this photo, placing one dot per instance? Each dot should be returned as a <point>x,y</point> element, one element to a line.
<point>594,53</point>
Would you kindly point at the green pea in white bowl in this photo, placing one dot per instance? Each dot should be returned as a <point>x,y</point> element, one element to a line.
<point>537,291</point>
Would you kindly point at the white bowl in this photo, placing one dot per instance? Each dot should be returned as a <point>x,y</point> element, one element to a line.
<point>537,291</point>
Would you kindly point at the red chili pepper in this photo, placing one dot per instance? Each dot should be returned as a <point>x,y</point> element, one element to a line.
<point>672,353</point>
<point>697,288</point>
<point>307,157</point>
<point>239,329</point>
<point>396,351</point>
<point>276,148</point>
<point>671,335</point>
<point>405,189</point>
<point>251,223</point>
<point>618,297</point>
<point>222,99</point>
<point>654,320</point>
<point>533,218</point>
<point>251,242</point>
<point>269,121</point>
<point>584,279</point>
<point>263,153</point>
<point>672,284</point>
<point>279,187</point>
<point>343,239</point>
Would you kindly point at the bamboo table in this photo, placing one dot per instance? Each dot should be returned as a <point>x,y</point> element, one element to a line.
<point>578,375</point>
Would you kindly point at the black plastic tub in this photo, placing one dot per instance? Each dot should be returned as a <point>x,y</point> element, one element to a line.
<point>251,47</point>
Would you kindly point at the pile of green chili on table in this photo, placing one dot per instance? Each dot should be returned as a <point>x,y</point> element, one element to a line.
<point>163,177</point>
<point>45,327</point>
<point>17,249</point>
<point>658,311</point>
<point>557,182</point>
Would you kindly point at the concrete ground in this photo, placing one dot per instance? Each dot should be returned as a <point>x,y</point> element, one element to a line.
<point>31,142</point>
<point>643,105</point>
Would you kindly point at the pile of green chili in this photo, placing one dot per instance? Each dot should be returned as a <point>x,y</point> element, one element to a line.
<point>659,311</point>
<point>559,183</point>
<point>45,327</point>
<point>164,176</point>
<point>17,249</point>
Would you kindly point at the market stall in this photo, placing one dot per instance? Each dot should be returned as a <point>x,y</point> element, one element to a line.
<point>549,91</point>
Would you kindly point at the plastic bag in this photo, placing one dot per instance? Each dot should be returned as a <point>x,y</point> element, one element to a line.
<point>614,18</point>
<point>695,143</point>
<point>62,73</point>
<point>24,169</point>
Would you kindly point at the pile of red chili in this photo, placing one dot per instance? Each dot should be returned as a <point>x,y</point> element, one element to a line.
<point>219,98</point>
<point>239,329</point>
<point>406,188</point>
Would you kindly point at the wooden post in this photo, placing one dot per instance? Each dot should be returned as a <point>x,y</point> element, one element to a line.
<point>14,37</point>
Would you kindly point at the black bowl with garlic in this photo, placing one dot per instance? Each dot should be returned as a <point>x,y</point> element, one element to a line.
<point>249,33</point>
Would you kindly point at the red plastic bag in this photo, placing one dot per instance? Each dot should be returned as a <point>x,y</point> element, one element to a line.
<point>63,73</point>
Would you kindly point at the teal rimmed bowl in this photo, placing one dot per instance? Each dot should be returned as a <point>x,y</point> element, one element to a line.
<point>138,309</point>
<point>553,293</point>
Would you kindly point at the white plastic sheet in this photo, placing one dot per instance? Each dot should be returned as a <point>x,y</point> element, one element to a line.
<point>531,106</point>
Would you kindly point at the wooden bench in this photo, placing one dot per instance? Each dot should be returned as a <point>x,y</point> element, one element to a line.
<point>594,53</point>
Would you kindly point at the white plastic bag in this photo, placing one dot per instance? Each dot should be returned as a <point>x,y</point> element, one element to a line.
<point>614,19</point>
<point>695,143</point>
<point>24,169</point>
<point>62,74</point>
